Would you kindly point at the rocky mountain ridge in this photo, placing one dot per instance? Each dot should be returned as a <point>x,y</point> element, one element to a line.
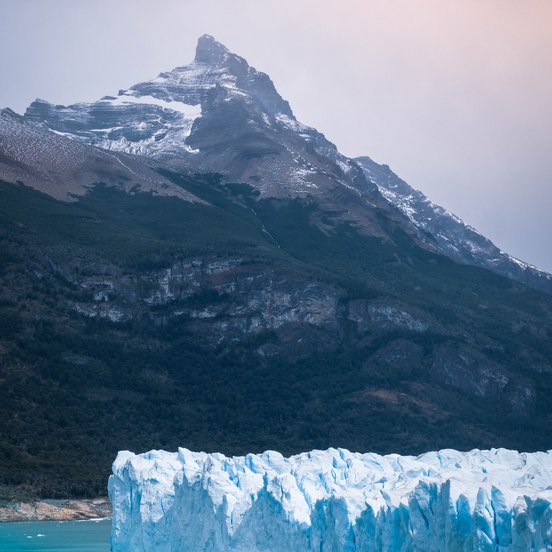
<point>448,233</point>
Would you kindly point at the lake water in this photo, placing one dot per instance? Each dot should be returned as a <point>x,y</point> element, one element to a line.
<point>53,536</point>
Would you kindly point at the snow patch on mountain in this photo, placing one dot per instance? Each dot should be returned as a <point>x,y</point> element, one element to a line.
<point>526,266</point>
<point>332,500</point>
<point>68,169</point>
<point>292,123</point>
<point>190,112</point>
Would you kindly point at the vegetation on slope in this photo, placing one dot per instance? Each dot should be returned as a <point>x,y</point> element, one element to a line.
<point>76,389</point>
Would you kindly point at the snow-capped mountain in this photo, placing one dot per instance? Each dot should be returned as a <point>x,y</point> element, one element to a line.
<point>219,114</point>
<point>332,500</point>
<point>451,235</point>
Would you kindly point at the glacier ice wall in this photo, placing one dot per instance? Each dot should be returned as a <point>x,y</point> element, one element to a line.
<point>332,500</point>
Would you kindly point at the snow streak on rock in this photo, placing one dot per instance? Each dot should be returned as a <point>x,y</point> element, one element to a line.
<point>444,230</point>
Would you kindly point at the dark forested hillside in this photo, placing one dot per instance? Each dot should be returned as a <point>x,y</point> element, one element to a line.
<point>133,321</point>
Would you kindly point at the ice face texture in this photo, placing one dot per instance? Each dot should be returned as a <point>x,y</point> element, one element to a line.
<point>332,500</point>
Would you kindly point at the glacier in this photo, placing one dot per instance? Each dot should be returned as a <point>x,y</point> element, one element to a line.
<point>332,500</point>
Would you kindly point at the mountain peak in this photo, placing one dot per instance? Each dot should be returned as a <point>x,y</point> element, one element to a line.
<point>7,112</point>
<point>209,50</point>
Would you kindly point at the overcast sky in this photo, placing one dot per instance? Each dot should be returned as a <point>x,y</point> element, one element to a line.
<point>455,95</point>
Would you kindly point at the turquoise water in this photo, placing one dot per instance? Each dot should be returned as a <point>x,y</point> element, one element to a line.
<point>77,536</point>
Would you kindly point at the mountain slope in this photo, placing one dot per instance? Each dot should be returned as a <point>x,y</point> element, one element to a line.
<point>66,169</point>
<point>232,115</point>
<point>240,324</point>
<point>450,235</point>
<point>241,128</point>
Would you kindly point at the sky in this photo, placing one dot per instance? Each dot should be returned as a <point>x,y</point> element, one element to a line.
<point>454,95</point>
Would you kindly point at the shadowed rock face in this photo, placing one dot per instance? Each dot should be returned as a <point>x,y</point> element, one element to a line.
<point>210,51</point>
<point>244,299</point>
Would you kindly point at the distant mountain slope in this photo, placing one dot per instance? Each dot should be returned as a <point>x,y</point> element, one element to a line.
<point>447,232</point>
<point>67,169</point>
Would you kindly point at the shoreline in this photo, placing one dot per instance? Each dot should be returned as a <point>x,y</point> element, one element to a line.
<point>55,510</point>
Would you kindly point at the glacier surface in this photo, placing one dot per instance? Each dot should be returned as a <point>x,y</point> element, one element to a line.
<point>332,500</point>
